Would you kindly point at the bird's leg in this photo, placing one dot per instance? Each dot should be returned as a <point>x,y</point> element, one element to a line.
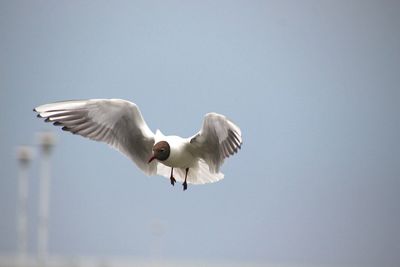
<point>185,183</point>
<point>172,179</point>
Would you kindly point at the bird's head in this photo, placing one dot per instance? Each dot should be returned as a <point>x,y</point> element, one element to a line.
<point>161,151</point>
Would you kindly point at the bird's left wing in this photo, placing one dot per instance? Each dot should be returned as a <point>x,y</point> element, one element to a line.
<point>217,139</point>
<point>116,122</point>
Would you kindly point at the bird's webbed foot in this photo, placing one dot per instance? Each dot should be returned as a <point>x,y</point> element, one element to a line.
<point>171,178</point>
<point>184,184</point>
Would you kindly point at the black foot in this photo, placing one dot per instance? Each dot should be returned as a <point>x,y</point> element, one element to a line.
<point>172,179</point>
<point>184,186</point>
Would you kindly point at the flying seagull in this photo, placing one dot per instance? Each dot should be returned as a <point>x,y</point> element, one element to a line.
<point>119,123</point>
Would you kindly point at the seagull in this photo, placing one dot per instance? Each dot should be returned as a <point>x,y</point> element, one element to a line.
<point>119,123</point>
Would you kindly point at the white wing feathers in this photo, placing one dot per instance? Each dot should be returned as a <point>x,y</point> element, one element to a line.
<point>116,122</point>
<point>218,139</point>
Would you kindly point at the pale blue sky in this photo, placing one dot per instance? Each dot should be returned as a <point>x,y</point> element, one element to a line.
<point>314,87</point>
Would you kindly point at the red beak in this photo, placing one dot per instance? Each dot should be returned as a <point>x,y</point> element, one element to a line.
<point>151,159</point>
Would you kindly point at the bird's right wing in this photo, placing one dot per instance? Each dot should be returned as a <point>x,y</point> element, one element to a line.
<point>116,122</point>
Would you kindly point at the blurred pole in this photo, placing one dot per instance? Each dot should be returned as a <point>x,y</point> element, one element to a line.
<point>24,156</point>
<point>158,230</point>
<point>47,141</point>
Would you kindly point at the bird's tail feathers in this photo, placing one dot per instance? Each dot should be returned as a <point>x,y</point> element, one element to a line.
<point>197,175</point>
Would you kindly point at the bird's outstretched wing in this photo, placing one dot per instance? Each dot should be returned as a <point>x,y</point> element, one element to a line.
<point>217,139</point>
<point>116,122</point>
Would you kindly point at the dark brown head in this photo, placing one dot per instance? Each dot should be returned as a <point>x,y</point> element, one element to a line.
<point>161,151</point>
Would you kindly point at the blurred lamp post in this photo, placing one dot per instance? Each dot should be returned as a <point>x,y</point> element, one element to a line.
<point>24,156</point>
<point>46,141</point>
<point>158,230</point>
